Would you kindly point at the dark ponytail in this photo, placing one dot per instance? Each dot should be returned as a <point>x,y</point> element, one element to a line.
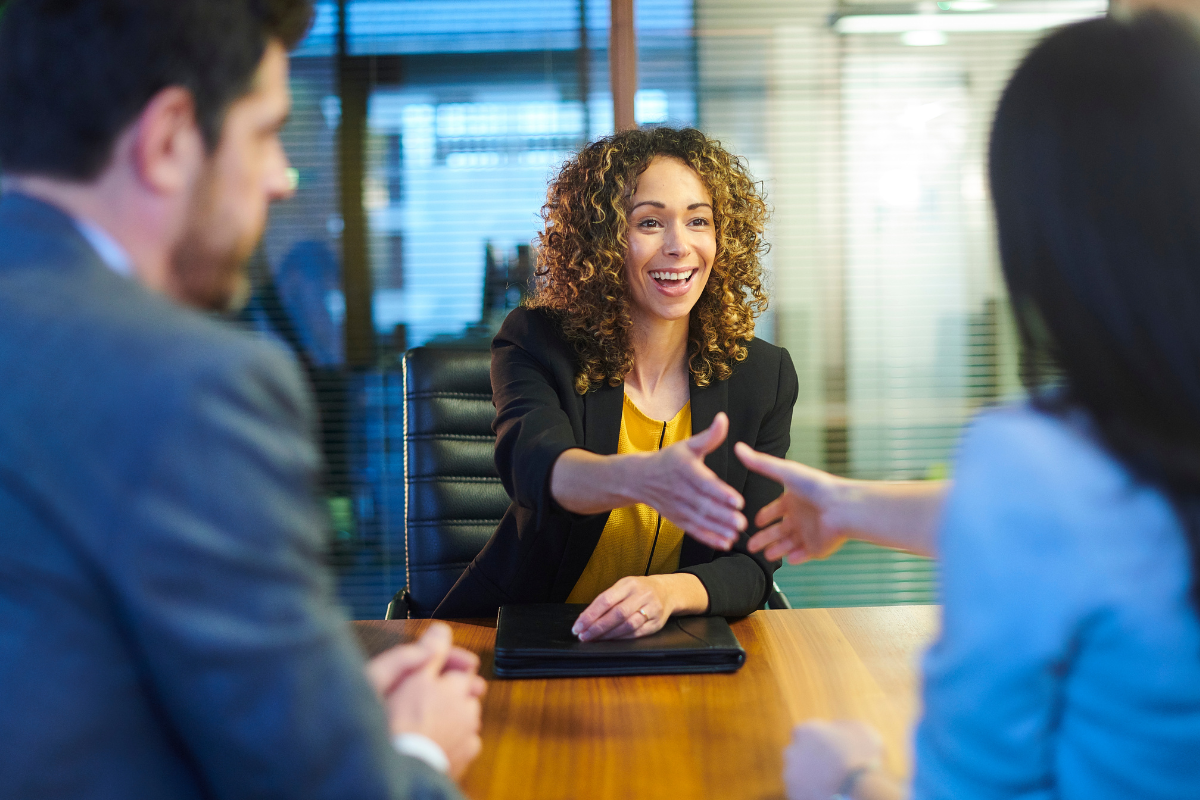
<point>1095,172</point>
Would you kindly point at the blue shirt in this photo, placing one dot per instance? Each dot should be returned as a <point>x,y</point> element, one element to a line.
<point>1069,660</point>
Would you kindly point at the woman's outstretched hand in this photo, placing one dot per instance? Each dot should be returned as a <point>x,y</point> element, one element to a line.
<point>675,482</point>
<point>817,511</point>
<point>802,523</point>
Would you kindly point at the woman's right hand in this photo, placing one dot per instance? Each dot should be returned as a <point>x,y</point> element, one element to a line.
<point>677,484</point>
<point>673,481</point>
<point>817,511</point>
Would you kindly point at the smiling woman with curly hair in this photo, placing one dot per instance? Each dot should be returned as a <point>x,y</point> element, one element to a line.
<point>620,388</point>
<point>581,261</point>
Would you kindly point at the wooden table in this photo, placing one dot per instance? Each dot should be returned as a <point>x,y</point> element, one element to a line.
<point>692,736</point>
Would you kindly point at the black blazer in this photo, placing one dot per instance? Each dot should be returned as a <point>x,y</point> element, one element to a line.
<point>539,550</point>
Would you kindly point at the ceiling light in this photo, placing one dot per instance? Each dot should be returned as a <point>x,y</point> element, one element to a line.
<point>923,38</point>
<point>966,16</point>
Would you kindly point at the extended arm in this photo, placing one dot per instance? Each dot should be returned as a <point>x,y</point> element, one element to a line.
<point>818,512</point>
<point>674,481</point>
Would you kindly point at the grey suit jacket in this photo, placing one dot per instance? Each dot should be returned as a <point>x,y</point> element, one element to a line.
<point>167,628</point>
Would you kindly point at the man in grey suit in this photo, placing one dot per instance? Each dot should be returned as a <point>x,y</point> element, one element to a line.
<point>167,629</point>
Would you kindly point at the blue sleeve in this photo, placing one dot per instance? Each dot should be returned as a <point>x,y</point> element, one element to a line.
<point>1010,567</point>
<point>218,577</point>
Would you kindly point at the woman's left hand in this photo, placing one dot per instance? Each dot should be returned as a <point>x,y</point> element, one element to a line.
<point>822,755</point>
<point>639,606</point>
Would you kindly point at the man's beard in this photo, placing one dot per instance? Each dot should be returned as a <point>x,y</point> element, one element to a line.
<point>208,268</point>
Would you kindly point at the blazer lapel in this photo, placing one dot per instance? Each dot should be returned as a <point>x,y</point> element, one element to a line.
<point>602,410</point>
<point>706,402</point>
<point>602,419</point>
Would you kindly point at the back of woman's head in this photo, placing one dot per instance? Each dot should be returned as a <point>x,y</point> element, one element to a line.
<point>1095,172</point>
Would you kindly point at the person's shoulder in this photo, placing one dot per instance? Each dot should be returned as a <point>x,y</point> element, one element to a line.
<point>765,365</point>
<point>165,355</point>
<point>530,324</point>
<point>538,331</point>
<point>219,354</point>
<point>762,356</point>
<point>758,348</point>
<point>1052,470</point>
<point>1037,442</point>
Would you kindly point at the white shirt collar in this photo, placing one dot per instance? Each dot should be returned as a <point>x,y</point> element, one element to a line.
<point>111,253</point>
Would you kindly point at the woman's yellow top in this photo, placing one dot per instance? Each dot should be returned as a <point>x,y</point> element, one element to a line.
<point>636,539</point>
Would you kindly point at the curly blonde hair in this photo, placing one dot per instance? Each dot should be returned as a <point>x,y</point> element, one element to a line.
<point>581,255</point>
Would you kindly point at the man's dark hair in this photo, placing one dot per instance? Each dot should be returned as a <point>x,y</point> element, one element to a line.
<point>75,73</point>
<point>1095,171</point>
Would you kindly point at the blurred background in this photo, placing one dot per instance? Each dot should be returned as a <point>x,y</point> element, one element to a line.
<point>422,139</point>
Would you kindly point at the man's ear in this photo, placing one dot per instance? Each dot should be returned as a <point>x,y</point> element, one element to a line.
<point>168,147</point>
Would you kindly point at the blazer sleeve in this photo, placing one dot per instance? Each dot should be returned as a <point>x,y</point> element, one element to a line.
<point>737,581</point>
<point>218,574</point>
<point>532,429</point>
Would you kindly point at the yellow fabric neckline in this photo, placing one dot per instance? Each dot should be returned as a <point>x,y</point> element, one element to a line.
<point>654,421</point>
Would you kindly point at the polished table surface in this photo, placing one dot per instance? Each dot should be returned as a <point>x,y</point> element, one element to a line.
<point>692,736</point>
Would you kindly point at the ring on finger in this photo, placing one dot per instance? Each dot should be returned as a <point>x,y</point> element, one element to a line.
<point>642,611</point>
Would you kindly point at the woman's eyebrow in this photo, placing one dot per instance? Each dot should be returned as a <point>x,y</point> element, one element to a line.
<point>657,204</point>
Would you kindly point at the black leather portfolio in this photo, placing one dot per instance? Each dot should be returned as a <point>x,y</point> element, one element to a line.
<point>535,641</point>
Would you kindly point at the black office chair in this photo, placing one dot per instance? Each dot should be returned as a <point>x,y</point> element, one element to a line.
<point>453,498</point>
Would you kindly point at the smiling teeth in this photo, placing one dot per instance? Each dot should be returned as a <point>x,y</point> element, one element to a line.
<point>672,276</point>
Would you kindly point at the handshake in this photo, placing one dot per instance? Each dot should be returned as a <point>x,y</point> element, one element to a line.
<point>814,516</point>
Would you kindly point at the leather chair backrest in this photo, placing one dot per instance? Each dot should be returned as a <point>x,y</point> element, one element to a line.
<point>453,498</point>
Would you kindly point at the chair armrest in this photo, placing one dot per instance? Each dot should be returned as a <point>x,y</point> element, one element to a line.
<point>398,608</point>
<point>777,599</point>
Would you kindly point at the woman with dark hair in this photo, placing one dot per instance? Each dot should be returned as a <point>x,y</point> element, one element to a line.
<point>1069,659</point>
<point>620,388</point>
